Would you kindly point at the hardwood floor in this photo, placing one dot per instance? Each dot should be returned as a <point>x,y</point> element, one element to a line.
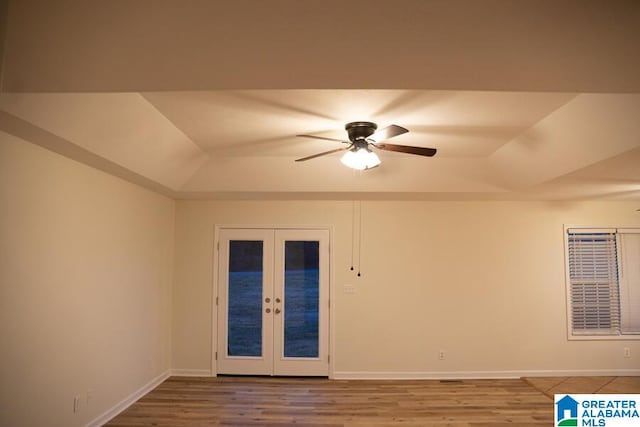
<point>250,401</point>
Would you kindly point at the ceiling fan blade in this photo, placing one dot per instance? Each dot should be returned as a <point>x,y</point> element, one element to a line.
<point>322,154</point>
<point>387,133</point>
<point>324,138</point>
<point>420,151</point>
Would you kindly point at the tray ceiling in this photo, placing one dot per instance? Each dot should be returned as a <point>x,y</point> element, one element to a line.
<point>523,100</point>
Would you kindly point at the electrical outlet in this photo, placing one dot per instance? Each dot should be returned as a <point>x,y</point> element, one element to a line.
<point>627,352</point>
<point>441,355</point>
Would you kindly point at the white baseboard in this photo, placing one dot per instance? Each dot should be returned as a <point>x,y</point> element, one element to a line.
<point>467,375</point>
<point>129,400</point>
<point>191,373</point>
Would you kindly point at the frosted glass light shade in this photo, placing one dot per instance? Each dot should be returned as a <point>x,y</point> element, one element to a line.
<point>360,159</point>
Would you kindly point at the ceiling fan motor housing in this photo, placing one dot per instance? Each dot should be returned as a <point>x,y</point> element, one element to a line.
<point>360,130</point>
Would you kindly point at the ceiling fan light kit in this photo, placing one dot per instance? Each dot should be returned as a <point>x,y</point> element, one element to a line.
<point>363,135</point>
<point>360,159</point>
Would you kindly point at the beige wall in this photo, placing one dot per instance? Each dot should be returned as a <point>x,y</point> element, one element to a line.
<point>85,287</point>
<point>89,299</point>
<point>483,281</point>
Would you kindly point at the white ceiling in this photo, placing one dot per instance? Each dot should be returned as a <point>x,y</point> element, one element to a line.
<point>523,100</point>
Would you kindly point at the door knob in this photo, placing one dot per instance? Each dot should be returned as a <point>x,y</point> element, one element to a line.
<point>267,299</point>
<point>277,299</point>
<point>268,310</point>
<point>277,311</point>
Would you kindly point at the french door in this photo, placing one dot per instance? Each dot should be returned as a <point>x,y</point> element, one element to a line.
<point>273,302</point>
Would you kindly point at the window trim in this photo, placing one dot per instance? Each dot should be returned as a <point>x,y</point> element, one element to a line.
<point>590,337</point>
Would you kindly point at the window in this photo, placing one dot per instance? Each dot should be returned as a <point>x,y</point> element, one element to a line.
<point>603,280</point>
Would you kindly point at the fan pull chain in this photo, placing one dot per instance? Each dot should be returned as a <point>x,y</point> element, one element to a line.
<point>359,235</point>
<point>353,229</point>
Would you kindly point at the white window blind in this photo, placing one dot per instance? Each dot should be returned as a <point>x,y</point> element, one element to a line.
<point>593,277</point>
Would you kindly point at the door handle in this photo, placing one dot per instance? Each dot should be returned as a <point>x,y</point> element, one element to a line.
<point>277,311</point>
<point>277,299</point>
<point>268,310</point>
<point>267,299</point>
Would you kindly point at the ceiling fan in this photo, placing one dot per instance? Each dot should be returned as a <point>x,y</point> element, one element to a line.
<point>362,136</point>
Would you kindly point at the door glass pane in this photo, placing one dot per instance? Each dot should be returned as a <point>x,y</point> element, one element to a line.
<point>301,299</point>
<point>244,323</point>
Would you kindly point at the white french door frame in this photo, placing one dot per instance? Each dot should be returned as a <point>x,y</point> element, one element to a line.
<point>215,351</point>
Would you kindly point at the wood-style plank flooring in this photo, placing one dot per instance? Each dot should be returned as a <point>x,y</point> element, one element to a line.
<point>251,401</point>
